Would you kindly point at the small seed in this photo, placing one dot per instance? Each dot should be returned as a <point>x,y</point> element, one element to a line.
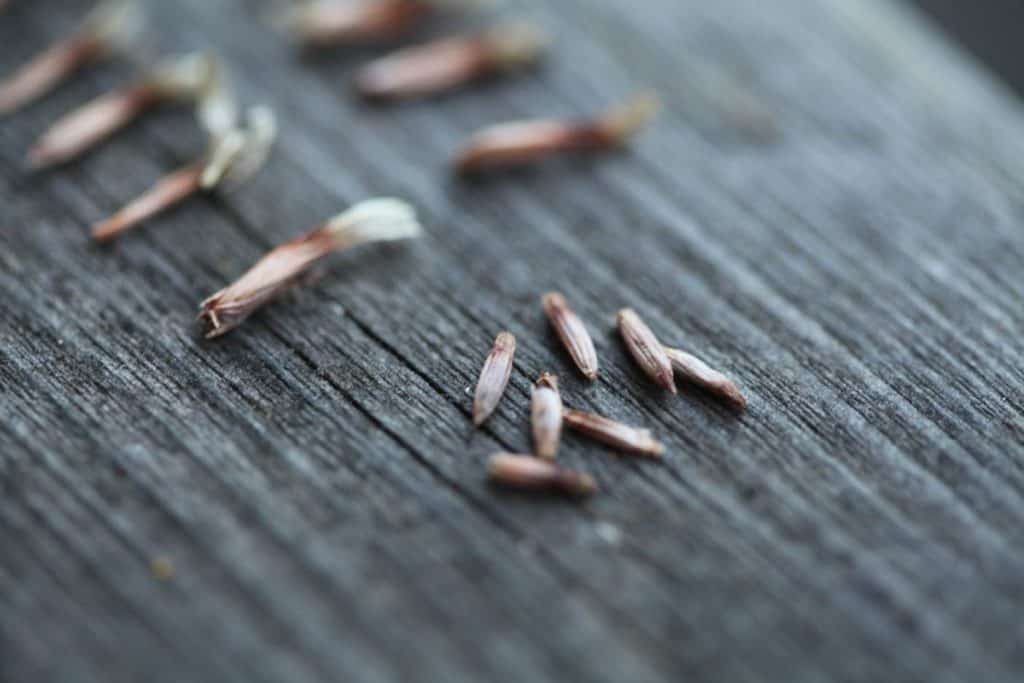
<point>162,568</point>
<point>375,220</point>
<point>572,332</point>
<point>645,349</point>
<point>171,190</point>
<point>615,434</point>
<point>494,377</point>
<point>527,472</point>
<point>322,23</point>
<point>696,371</point>
<point>83,128</point>
<point>546,417</point>
<point>524,142</point>
<point>110,26</point>
<point>446,64</point>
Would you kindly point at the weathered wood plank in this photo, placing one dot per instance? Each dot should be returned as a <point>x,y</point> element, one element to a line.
<point>828,210</point>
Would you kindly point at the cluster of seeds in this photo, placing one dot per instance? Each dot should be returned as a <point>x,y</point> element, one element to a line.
<point>548,414</point>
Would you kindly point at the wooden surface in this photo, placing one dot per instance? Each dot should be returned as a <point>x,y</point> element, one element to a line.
<point>829,210</point>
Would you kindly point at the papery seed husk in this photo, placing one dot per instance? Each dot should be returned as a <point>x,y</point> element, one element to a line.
<point>527,472</point>
<point>696,371</point>
<point>494,377</point>
<point>646,350</point>
<point>614,434</point>
<point>573,333</point>
<point>169,191</point>
<point>546,417</point>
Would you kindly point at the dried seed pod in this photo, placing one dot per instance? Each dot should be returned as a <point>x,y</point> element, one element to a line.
<point>185,78</point>
<point>527,472</point>
<point>494,377</point>
<point>572,332</point>
<point>696,371</point>
<point>321,23</point>
<point>645,349</point>
<point>233,158</point>
<point>524,142</point>
<point>615,434</point>
<point>375,220</point>
<point>546,417</point>
<point>110,26</point>
<point>451,62</point>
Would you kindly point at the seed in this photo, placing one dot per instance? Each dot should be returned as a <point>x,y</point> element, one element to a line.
<point>572,332</point>
<point>110,26</point>
<point>233,157</point>
<point>698,372</point>
<point>322,23</point>
<point>375,220</point>
<point>546,417</point>
<point>527,472</point>
<point>162,568</point>
<point>645,349</point>
<point>524,142</point>
<point>615,434</point>
<point>446,64</point>
<point>494,377</point>
<point>181,79</point>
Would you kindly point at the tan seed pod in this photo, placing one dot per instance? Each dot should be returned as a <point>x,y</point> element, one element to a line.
<point>527,472</point>
<point>494,377</point>
<point>615,434</point>
<point>696,371</point>
<point>645,349</point>
<point>323,23</point>
<point>546,417</point>
<point>572,332</point>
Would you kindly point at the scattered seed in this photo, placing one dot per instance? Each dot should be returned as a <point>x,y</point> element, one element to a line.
<point>645,349</point>
<point>322,23</point>
<point>110,26</point>
<point>524,142</point>
<point>449,63</point>
<point>494,377</point>
<point>546,417</point>
<point>698,372</point>
<point>232,157</point>
<point>527,472</point>
<point>572,332</point>
<point>614,434</point>
<point>182,79</point>
<point>162,568</point>
<point>375,220</point>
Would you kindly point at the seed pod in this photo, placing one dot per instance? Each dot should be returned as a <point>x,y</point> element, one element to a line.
<point>696,371</point>
<point>615,434</point>
<point>546,417</point>
<point>375,220</point>
<point>572,332</point>
<point>185,78</point>
<point>527,472</point>
<point>645,349</point>
<point>451,62</point>
<point>110,26</point>
<point>322,23</point>
<point>494,377</point>
<point>524,142</point>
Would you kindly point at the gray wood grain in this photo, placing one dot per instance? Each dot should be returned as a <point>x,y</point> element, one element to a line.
<point>829,210</point>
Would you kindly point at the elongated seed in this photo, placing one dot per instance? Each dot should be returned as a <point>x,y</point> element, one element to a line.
<point>170,190</point>
<point>494,377</point>
<point>572,332</point>
<point>696,371</point>
<point>321,23</point>
<point>614,434</point>
<point>546,417</point>
<point>645,349</point>
<point>527,472</point>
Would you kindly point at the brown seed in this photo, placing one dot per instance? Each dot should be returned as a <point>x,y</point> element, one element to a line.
<point>448,63</point>
<point>162,568</point>
<point>524,142</point>
<point>78,131</point>
<point>169,191</point>
<point>527,472</point>
<point>615,434</point>
<point>572,332</point>
<point>375,220</point>
<point>645,349</point>
<point>494,377</point>
<point>546,417</point>
<point>322,23</point>
<point>696,371</point>
<point>111,25</point>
